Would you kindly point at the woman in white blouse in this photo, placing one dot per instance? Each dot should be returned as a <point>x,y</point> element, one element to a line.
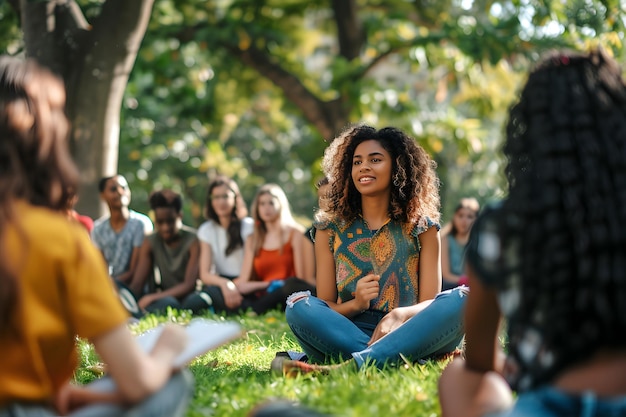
<point>222,239</point>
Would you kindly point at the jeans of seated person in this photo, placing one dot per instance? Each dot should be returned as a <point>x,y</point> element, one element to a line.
<point>550,402</point>
<point>170,401</point>
<point>210,298</point>
<point>435,331</point>
<point>160,306</point>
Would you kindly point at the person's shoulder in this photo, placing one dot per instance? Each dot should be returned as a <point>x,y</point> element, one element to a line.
<point>207,232</point>
<point>206,227</point>
<point>421,225</point>
<point>296,228</point>
<point>331,223</point>
<point>43,225</point>
<point>86,221</point>
<point>101,222</point>
<point>145,220</point>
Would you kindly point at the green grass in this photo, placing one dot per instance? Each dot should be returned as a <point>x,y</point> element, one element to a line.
<point>232,380</point>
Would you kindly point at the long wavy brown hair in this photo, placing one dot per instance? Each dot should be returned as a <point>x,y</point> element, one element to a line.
<point>35,164</point>
<point>286,217</point>
<point>414,186</point>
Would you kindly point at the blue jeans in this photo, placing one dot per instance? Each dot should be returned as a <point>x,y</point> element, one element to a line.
<point>326,335</point>
<point>550,402</point>
<point>171,401</point>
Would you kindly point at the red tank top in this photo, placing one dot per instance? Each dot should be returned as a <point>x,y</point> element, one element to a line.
<point>272,264</point>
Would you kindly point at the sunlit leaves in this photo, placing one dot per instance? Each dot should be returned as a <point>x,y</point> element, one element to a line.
<point>445,71</point>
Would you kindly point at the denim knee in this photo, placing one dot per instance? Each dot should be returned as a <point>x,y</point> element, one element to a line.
<point>294,312</point>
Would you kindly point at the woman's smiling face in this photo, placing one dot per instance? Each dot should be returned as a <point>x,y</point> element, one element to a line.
<point>371,168</point>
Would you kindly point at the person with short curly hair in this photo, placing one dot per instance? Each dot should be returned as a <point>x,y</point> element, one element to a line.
<point>551,257</point>
<point>378,258</point>
<point>168,259</point>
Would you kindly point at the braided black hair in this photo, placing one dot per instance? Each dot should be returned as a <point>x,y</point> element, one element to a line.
<point>566,208</point>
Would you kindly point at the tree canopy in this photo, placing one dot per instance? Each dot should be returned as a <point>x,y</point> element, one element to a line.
<point>253,89</point>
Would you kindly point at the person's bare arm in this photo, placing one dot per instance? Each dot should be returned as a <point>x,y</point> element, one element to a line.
<point>232,297</point>
<point>143,268</point>
<point>430,264</point>
<point>205,265</point>
<point>137,374</point>
<point>243,282</point>
<point>309,252</point>
<point>303,252</point>
<point>482,320</point>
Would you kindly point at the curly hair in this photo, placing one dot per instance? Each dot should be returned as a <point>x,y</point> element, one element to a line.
<point>35,164</point>
<point>566,208</point>
<point>414,188</point>
<point>239,211</point>
<point>166,199</point>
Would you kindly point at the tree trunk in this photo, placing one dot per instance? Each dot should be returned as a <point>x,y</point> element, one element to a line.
<point>95,62</point>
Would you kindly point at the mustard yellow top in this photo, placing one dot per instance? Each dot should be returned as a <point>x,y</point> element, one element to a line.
<point>65,291</point>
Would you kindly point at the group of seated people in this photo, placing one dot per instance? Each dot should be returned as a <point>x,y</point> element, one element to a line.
<point>232,263</point>
<point>549,258</point>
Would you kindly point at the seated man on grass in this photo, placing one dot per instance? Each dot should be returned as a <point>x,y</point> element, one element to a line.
<point>169,257</point>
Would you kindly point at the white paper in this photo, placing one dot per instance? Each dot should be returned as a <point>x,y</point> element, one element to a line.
<point>204,335</point>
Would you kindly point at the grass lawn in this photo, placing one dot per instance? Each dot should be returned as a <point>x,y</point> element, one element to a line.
<point>232,380</point>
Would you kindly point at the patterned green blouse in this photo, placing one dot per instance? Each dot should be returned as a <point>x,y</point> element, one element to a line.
<point>391,252</point>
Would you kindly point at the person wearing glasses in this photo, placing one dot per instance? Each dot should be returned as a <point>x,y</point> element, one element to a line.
<point>222,239</point>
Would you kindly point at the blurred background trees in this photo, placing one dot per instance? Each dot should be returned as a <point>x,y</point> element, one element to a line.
<point>254,89</point>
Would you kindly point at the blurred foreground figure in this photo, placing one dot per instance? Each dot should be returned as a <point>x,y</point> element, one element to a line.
<point>54,284</point>
<point>551,258</point>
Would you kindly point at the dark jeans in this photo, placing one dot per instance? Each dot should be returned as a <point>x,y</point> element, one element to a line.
<point>211,297</point>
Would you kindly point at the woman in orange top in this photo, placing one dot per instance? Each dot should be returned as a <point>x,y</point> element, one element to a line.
<point>275,255</point>
<point>54,284</point>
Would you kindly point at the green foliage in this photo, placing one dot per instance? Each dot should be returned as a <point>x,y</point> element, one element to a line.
<point>445,71</point>
<point>233,379</point>
<point>10,34</point>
